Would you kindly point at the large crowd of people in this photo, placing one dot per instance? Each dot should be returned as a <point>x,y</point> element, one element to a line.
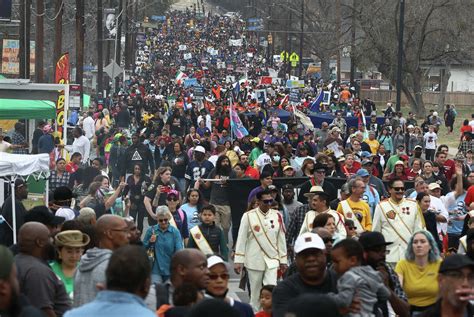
<point>333,219</point>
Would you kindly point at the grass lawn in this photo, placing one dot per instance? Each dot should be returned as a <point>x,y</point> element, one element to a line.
<point>452,140</point>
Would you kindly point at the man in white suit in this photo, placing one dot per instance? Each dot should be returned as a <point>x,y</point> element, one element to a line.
<point>261,246</point>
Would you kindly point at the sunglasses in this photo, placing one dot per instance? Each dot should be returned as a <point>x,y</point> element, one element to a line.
<point>172,199</point>
<point>327,240</point>
<point>163,220</point>
<point>223,276</point>
<point>268,201</point>
<point>352,228</point>
<point>399,189</point>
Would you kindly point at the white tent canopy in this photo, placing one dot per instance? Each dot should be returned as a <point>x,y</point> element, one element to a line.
<point>23,164</point>
<point>15,165</point>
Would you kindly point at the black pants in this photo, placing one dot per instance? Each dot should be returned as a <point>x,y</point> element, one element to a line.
<point>138,211</point>
<point>429,155</point>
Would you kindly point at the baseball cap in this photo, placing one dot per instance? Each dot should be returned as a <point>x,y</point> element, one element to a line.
<point>418,147</point>
<point>272,188</point>
<point>410,126</point>
<point>335,129</point>
<point>319,166</point>
<point>287,187</point>
<point>372,239</point>
<point>200,149</point>
<point>19,183</point>
<point>43,215</point>
<point>366,161</point>
<point>214,260</point>
<point>287,167</point>
<point>434,186</point>
<point>398,163</point>
<point>309,240</point>
<point>365,154</point>
<point>455,262</point>
<point>362,173</point>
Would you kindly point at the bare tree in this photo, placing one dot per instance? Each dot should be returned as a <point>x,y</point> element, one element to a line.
<point>434,34</point>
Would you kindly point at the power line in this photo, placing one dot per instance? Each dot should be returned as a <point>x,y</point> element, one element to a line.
<point>33,11</point>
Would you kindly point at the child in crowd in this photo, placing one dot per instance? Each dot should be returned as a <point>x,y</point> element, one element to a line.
<point>351,229</point>
<point>208,237</point>
<point>356,279</point>
<point>184,297</point>
<point>431,139</point>
<point>266,301</point>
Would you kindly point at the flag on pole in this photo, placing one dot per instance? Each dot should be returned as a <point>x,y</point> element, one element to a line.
<point>236,125</point>
<point>284,101</point>
<point>361,119</point>
<point>315,106</point>
<point>305,120</point>
<point>236,91</point>
<point>180,77</point>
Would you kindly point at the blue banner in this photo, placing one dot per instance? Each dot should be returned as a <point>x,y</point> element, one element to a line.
<point>190,82</point>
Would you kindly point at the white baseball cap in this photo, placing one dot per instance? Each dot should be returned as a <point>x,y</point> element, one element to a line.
<point>214,260</point>
<point>200,149</point>
<point>309,240</point>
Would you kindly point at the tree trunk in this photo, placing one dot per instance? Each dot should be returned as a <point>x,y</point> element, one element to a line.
<point>443,85</point>
<point>419,103</point>
<point>325,68</point>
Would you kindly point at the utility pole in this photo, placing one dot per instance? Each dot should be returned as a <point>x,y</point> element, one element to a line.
<point>338,39</point>
<point>128,35</point>
<point>400,54</point>
<point>100,43</point>
<point>289,35</point>
<point>300,69</point>
<point>39,48</point>
<point>58,33</point>
<point>118,42</point>
<point>25,27</point>
<point>80,45</point>
<point>109,43</point>
<point>353,38</point>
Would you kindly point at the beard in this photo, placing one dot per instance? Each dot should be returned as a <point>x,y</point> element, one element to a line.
<point>225,170</point>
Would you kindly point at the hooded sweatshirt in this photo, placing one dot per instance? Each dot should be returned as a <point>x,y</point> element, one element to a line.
<point>368,285</point>
<point>91,270</point>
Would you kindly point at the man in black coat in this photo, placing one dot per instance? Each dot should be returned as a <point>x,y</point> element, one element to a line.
<point>137,152</point>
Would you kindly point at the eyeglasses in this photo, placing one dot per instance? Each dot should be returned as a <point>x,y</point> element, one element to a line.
<point>223,276</point>
<point>328,239</point>
<point>163,220</point>
<point>267,201</point>
<point>399,189</point>
<point>459,276</point>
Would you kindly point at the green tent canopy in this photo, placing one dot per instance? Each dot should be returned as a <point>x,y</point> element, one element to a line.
<point>26,109</point>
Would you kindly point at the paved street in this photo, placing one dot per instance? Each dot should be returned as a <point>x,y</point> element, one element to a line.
<point>181,5</point>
